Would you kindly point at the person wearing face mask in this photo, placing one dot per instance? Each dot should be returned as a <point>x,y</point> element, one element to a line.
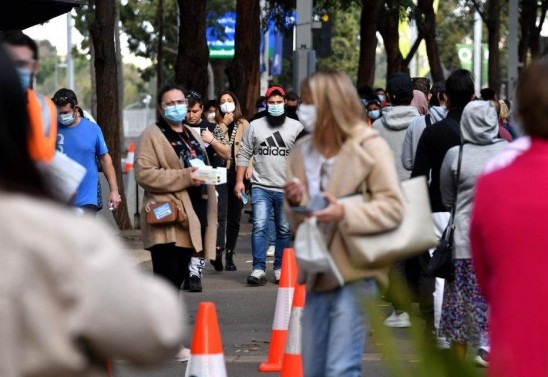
<point>83,141</point>
<point>164,166</point>
<point>374,110</point>
<point>42,114</point>
<point>209,111</point>
<point>269,141</point>
<point>340,155</point>
<point>229,131</point>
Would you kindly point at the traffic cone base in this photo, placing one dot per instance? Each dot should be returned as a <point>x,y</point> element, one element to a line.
<point>292,364</point>
<point>284,300</point>
<point>206,350</point>
<point>130,158</point>
<point>206,365</point>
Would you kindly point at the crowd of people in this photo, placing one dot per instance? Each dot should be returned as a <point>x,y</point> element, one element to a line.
<point>292,150</point>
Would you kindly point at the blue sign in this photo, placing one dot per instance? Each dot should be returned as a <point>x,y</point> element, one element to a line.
<point>221,42</point>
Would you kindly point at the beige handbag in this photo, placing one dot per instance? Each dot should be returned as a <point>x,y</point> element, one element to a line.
<point>413,236</point>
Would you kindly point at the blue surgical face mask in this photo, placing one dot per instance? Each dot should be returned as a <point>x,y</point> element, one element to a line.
<point>374,114</point>
<point>276,110</point>
<point>25,77</point>
<point>175,113</point>
<point>381,97</point>
<point>66,119</point>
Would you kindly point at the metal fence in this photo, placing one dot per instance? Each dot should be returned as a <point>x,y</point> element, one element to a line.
<point>136,120</point>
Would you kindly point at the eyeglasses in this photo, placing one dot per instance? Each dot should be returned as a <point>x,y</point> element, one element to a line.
<point>194,95</point>
<point>23,63</point>
<point>174,102</point>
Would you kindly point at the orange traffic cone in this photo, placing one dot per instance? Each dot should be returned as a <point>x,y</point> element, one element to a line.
<point>206,351</point>
<point>288,279</point>
<point>292,364</point>
<point>130,158</point>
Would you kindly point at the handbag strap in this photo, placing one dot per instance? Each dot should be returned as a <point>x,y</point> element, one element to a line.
<point>454,208</point>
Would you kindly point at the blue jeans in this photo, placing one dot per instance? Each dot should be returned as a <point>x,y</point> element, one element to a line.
<point>334,330</point>
<point>264,202</point>
<point>271,230</point>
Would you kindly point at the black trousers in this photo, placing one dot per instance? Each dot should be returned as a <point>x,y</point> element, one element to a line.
<point>171,262</point>
<point>233,213</point>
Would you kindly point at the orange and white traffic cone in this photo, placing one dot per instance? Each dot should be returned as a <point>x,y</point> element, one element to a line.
<point>130,158</point>
<point>292,364</point>
<point>288,280</point>
<point>206,351</point>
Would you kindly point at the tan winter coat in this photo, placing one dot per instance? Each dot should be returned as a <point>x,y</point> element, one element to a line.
<point>160,172</point>
<point>364,157</point>
<point>71,297</point>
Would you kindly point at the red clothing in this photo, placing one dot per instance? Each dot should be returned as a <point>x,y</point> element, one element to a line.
<point>509,236</point>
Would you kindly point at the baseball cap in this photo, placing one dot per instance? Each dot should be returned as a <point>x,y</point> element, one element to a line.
<point>273,89</point>
<point>399,83</point>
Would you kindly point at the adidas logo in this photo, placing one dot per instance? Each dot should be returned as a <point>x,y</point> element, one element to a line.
<point>274,146</point>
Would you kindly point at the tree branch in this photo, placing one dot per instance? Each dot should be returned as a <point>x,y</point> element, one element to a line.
<point>413,50</point>
<point>478,9</point>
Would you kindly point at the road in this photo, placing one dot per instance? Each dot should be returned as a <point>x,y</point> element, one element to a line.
<point>245,316</point>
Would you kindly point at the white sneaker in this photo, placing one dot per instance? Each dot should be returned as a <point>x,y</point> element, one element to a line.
<point>183,355</point>
<point>398,320</point>
<point>277,275</point>
<point>271,251</point>
<point>257,277</point>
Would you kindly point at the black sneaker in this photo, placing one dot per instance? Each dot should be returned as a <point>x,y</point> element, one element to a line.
<point>482,358</point>
<point>195,284</point>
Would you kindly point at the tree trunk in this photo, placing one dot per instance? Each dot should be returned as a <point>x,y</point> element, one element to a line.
<point>368,41</point>
<point>527,21</point>
<point>160,52</point>
<point>120,72</point>
<point>243,73</point>
<point>493,39</point>
<point>426,24</point>
<point>193,53</point>
<point>389,22</point>
<point>102,34</point>
<point>537,28</point>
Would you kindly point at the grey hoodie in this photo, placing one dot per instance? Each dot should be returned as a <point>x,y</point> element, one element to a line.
<point>392,127</point>
<point>479,127</point>
<point>414,132</point>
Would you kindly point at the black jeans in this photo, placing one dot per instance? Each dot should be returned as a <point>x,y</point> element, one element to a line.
<point>233,213</point>
<point>171,262</point>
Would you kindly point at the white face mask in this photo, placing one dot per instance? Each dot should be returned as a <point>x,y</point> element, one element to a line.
<point>228,107</point>
<point>211,116</point>
<point>307,116</point>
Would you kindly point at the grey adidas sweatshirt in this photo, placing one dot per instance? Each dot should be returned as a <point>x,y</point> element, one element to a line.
<point>270,148</point>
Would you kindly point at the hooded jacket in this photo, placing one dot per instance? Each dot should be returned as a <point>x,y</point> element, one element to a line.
<point>392,127</point>
<point>479,129</point>
<point>414,132</point>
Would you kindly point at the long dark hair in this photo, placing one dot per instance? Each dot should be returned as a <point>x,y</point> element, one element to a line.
<point>18,172</point>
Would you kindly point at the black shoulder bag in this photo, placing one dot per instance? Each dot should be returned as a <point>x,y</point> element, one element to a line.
<point>441,263</point>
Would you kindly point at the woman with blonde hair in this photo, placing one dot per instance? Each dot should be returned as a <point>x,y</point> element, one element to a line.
<point>340,154</point>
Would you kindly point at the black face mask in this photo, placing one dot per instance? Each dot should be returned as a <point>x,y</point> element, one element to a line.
<point>275,121</point>
<point>291,109</point>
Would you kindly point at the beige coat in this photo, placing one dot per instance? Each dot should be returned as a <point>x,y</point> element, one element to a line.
<point>160,172</point>
<point>368,158</point>
<point>71,297</point>
<point>243,124</point>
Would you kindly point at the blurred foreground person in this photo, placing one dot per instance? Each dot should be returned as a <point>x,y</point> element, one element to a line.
<point>509,238</point>
<point>334,319</point>
<point>70,297</point>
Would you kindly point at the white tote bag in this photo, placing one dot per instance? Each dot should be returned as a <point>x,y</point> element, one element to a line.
<point>311,251</point>
<point>413,236</point>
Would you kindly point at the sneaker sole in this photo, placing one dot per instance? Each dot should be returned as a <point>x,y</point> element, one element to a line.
<point>479,362</point>
<point>397,325</point>
<point>255,281</point>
